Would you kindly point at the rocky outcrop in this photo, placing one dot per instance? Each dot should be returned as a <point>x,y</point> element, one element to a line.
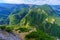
<point>8,36</point>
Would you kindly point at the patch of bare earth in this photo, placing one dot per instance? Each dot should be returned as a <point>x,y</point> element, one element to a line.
<point>23,34</point>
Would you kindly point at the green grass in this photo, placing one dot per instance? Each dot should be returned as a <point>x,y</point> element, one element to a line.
<point>39,35</point>
<point>57,20</point>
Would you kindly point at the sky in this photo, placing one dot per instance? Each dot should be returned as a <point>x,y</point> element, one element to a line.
<point>37,2</point>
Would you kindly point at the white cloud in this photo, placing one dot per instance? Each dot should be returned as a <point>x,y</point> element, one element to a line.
<point>13,1</point>
<point>53,2</point>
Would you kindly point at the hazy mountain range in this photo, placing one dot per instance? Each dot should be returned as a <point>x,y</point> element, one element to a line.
<point>7,9</point>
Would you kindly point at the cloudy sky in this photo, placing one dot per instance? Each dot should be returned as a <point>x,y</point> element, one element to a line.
<point>38,2</point>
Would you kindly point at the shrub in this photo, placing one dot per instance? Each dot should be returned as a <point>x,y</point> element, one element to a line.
<point>33,35</point>
<point>2,27</point>
<point>9,29</point>
<point>23,29</point>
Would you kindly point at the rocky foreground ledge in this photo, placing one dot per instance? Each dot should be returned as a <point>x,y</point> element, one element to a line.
<point>15,35</point>
<point>8,36</point>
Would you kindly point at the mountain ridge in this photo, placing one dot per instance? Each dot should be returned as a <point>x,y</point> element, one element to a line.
<point>10,9</point>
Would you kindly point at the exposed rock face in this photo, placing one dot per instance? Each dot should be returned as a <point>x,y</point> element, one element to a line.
<point>8,36</point>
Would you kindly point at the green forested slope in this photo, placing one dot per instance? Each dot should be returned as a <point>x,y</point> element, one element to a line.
<point>41,18</point>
